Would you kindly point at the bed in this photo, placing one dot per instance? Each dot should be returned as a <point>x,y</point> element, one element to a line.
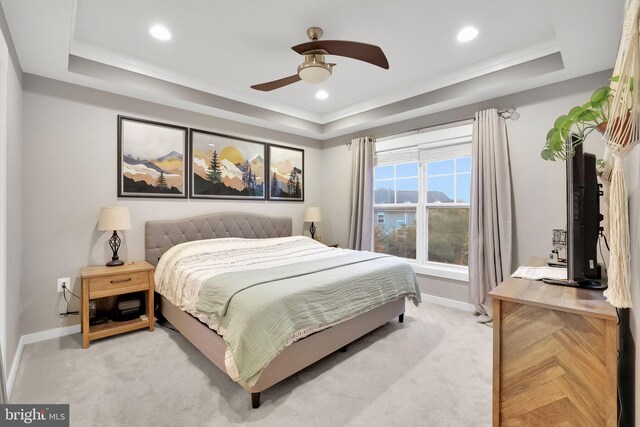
<point>174,237</point>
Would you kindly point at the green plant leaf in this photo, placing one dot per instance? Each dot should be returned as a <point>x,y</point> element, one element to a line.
<point>575,112</point>
<point>632,82</point>
<point>547,154</point>
<point>550,133</point>
<point>587,116</point>
<point>564,134</point>
<point>556,142</point>
<point>561,122</point>
<point>600,95</point>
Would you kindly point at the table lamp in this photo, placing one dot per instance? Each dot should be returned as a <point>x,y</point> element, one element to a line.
<point>114,218</point>
<point>312,215</point>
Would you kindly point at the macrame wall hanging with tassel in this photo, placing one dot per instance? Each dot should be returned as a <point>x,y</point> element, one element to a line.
<point>622,133</point>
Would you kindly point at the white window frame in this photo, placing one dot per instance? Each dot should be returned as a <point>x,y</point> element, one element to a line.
<point>443,144</point>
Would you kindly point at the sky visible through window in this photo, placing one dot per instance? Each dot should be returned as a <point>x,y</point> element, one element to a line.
<point>450,177</point>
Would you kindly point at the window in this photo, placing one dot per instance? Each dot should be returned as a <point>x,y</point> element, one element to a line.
<point>395,198</point>
<point>448,186</point>
<point>421,201</point>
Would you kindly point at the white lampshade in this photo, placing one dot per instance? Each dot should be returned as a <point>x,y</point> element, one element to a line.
<point>312,214</point>
<point>314,74</point>
<point>114,218</point>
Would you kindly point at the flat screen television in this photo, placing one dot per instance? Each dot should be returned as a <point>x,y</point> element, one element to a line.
<point>583,222</point>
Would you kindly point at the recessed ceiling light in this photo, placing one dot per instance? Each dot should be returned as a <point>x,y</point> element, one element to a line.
<point>467,34</point>
<point>322,94</point>
<point>160,32</point>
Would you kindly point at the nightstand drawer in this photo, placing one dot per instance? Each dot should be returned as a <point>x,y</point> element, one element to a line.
<point>119,283</point>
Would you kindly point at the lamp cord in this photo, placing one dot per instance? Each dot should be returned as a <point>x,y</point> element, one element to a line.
<point>64,295</point>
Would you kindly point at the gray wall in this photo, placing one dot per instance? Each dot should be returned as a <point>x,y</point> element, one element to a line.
<point>14,210</point>
<point>538,186</point>
<point>632,175</point>
<point>69,172</point>
<point>75,127</point>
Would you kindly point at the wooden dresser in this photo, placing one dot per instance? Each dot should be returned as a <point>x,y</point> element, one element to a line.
<point>554,356</point>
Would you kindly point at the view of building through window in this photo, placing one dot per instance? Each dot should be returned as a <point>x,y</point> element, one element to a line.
<point>421,208</point>
<point>396,233</point>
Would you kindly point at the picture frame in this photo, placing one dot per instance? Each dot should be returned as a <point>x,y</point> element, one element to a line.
<point>227,167</point>
<point>151,159</point>
<point>286,173</point>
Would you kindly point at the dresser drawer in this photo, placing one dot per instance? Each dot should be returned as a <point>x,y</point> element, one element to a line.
<point>118,283</point>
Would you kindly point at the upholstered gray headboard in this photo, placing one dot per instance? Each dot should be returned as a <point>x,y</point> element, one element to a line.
<point>160,236</point>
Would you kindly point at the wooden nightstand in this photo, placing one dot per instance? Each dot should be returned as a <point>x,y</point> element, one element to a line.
<point>102,281</point>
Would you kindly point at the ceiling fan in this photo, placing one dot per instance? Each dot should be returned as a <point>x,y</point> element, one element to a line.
<point>315,70</point>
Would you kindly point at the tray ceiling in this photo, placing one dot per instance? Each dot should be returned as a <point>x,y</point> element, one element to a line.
<point>219,49</point>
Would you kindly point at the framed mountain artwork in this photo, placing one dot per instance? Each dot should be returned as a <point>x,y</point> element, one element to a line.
<point>225,167</point>
<point>286,173</point>
<point>151,159</point>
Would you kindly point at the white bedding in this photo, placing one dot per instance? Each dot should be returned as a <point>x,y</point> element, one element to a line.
<point>184,268</point>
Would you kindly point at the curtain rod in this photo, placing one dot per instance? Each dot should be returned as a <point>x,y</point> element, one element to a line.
<point>508,113</point>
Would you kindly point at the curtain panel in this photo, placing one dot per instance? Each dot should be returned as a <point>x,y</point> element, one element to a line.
<point>361,214</point>
<point>490,222</point>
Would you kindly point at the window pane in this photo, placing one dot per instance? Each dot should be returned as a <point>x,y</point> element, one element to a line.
<point>396,234</point>
<point>406,169</point>
<point>439,168</point>
<point>440,189</point>
<point>384,172</point>
<point>448,235</point>
<point>463,164</point>
<point>383,192</point>
<point>407,190</point>
<point>463,187</point>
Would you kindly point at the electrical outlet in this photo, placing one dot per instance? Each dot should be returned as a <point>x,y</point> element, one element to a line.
<point>66,281</point>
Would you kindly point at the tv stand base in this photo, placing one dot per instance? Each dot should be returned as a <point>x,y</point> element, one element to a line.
<point>595,285</point>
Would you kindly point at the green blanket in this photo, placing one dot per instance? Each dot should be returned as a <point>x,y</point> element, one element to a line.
<point>261,311</point>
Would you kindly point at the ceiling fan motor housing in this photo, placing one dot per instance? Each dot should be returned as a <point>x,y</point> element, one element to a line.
<point>314,69</point>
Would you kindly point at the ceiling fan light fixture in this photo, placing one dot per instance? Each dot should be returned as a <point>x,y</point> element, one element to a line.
<point>314,70</point>
<point>314,73</point>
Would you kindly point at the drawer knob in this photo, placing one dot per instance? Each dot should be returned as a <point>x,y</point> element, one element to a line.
<point>128,279</point>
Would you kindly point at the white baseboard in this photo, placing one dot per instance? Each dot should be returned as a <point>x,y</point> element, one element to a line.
<point>464,306</point>
<point>14,368</point>
<point>51,333</point>
<point>30,339</point>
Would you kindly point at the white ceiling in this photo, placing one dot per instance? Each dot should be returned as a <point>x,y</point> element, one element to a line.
<point>222,48</point>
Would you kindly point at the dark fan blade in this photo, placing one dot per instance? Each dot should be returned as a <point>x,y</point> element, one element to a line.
<point>276,84</point>
<point>361,51</point>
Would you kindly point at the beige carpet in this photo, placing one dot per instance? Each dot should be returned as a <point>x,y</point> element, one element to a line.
<point>433,370</point>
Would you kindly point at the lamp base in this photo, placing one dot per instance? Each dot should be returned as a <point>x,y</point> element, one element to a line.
<point>114,242</point>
